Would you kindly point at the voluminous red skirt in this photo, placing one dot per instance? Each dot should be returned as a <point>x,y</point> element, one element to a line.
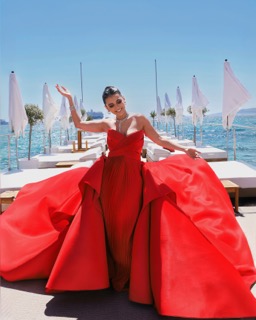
<point>175,240</point>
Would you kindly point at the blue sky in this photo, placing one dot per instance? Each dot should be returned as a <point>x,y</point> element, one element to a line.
<point>118,42</point>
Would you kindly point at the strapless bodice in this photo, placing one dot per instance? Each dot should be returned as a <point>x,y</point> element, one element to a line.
<point>129,146</point>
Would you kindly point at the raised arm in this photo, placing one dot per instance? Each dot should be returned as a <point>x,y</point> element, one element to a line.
<point>93,125</point>
<point>153,135</point>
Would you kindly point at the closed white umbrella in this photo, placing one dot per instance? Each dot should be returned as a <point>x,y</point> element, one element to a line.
<point>234,96</point>
<point>77,106</point>
<point>159,108</point>
<point>50,111</point>
<point>167,105</point>
<point>17,114</point>
<point>167,102</point>
<point>84,117</point>
<point>199,102</point>
<point>18,119</point>
<point>179,107</point>
<point>64,114</point>
<point>159,111</point>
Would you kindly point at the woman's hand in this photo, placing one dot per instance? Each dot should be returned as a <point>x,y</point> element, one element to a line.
<point>64,92</point>
<point>193,153</point>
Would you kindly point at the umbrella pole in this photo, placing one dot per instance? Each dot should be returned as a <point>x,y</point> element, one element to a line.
<point>60,135</point>
<point>234,142</point>
<point>50,141</point>
<point>195,135</point>
<point>67,135</point>
<point>227,138</point>
<point>16,146</point>
<point>9,154</point>
<point>44,143</point>
<point>227,143</point>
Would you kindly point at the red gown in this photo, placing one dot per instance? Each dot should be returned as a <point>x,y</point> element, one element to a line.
<point>164,229</point>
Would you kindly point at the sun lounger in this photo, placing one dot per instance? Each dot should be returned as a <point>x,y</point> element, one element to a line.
<point>147,142</point>
<point>49,161</point>
<point>239,173</point>
<point>156,153</point>
<point>16,179</point>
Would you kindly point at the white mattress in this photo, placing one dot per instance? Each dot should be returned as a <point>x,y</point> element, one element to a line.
<point>156,152</point>
<point>50,160</point>
<point>16,179</point>
<point>183,142</point>
<point>236,171</point>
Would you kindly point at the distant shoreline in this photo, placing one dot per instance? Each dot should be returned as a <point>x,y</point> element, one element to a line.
<point>242,112</point>
<point>2,121</point>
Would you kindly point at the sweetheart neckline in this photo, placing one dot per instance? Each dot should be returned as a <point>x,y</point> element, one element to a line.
<point>124,134</point>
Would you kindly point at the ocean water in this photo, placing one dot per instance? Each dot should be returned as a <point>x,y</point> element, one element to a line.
<point>211,133</point>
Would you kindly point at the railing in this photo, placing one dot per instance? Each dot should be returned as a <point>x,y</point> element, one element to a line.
<point>9,136</point>
<point>12,148</point>
<point>10,160</point>
<point>232,144</point>
<point>234,135</point>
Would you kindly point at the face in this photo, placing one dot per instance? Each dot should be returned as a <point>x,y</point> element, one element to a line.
<point>116,105</point>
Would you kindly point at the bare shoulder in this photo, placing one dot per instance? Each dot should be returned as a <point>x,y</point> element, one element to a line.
<point>98,125</point>
<point>107,123</point>
<point>140,117</point>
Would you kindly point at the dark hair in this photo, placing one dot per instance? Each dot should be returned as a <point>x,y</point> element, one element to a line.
<point>109,91</point>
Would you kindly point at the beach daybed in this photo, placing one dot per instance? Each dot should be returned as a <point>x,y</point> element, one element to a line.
<point>239,173</point>
<point>156,153</point>
<point>92,142</point>
<point>147,141</point>
<point>50,160</point>
<point>16,179</point>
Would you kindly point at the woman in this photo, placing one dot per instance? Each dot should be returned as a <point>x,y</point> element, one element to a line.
<point>164,230</point>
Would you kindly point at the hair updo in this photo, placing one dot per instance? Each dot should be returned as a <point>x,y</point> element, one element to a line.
<point>109,91</point>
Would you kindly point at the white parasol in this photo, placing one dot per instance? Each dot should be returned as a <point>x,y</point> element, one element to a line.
<point>18,119</point>
<point>167,105</point>
<point>17,114</point>
<point>64,114</point>
<point>49,109</point>
<point>234,96</point>
<point>159,108</point>
<point>84,117</point>
<point>179,107</point>
<point>77,106</point>
<point>167,102</point>
<point>199,102</point>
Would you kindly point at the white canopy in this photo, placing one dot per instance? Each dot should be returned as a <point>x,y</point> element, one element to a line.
<point>167,102</point>
<point>64,114</point>
<point>234,96</point>
<point>49,109</point>
<point>179,107</point>
<point>199,102</point>
<point>84,117</point>
<point>77,106</point>
<point>159,107</point>
<point>17,114</point>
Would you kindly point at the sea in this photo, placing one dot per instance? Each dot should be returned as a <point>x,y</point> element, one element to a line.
<point>239,141</point>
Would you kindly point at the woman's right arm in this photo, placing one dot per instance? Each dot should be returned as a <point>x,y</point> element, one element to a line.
<point>93,125</point>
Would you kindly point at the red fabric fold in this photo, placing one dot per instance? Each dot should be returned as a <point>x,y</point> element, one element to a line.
<point>167,230</point>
